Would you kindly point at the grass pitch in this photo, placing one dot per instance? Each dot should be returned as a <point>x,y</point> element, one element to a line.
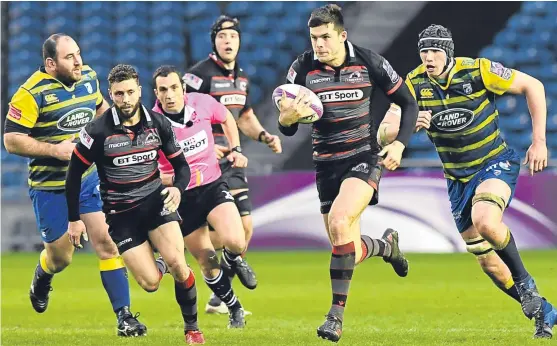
<point>445,300</point>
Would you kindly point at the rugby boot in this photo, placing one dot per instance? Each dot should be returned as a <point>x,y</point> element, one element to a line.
<point>331,329</point>
<point>242,269</point>
<point>530,299</point>
<point>40,291</point>
<point>236,318</point>
<point>128,325</point>
<point>194,337</point>
<point>544,321</point>
<point>396,259</point>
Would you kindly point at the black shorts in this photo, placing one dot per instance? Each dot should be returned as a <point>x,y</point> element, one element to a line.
<point>131,228</point>
<point>331,174</point>
<point>235,177</point>
<point>197,203</point>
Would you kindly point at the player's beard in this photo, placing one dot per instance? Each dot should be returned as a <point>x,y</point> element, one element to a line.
<point>66,77</point>
<point>128,114</point>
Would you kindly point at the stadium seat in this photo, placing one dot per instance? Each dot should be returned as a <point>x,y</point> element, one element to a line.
<point>203,10</point>
<point>238,9</point>
<point>18,9</point>
<point>55,8</point>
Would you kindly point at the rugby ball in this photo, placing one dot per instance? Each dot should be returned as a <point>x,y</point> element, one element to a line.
<point>292,90</point>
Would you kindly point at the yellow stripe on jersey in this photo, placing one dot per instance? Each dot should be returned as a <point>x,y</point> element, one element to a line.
<point>49,184</point>
<point>59,138</point>
<point>411,87</point>
<point>47,87</point>
<point>453,100</point>
<point>480,127</point>
<point>38,169</point>
<point>45,124</point>
<point>475,162</point>
<point>464,180</point>
<point>70,102</point>
<point>472,146</point>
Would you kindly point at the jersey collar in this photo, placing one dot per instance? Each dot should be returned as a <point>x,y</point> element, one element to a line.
<point>220,64</point>
<point>118,124</point>
<point>45,75</point>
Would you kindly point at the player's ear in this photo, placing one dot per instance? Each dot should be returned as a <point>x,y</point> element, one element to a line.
<point>140,91</point>
<point>110,95</point>
<point>50,63</point>
<point>343,36</point>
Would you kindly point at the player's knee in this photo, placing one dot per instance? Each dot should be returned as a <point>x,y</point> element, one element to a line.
<point>149,284</point>
<point>236,245</point>
<point>339,227</point>
<point>60,262</point>
<point>105,248</point>
<point>486,224</point>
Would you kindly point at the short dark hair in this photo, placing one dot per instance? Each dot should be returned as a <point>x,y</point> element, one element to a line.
<point>327,14</point>
<point>122,72</point>
<point>49,46</point>
<point>164,71</point>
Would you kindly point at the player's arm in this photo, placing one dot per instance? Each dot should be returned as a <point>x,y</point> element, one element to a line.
<point>22,116</point>
<point>251,127</point>
<point>289,110</point>
<point>388,129</point>
<point>102,105</point>
<point>83,156</point>
<point>175,156</point>
<point>499,80</point>
<point>196,81</point>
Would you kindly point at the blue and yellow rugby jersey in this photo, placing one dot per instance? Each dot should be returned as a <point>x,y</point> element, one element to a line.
<point>464,123</point>
<point>52,112</point>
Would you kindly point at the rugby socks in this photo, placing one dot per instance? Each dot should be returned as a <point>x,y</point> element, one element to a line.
<point>227,263</point>
<point>44,275</point>
<point>343,261</point>
<point>374,247</point>
<point>186,296</point>
<point>222,288</point>
<point>162,267</point>
<point>115,281</point>
<point>510,289</point>
<point>510,256</point>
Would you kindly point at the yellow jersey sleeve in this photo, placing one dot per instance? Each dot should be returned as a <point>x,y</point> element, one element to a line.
<point>100,97</point>
<point>496,77</point>
<point>410,86</point>
<point>23,109</point>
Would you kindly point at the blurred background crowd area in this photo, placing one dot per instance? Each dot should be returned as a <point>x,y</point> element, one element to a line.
<point>148,34</point>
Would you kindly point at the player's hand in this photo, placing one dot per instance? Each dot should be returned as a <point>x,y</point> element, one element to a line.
<point>292,110</point>
<point>424,120</point>
<point>221,151</point>
<point>76,229</point>
<point>536,156</point>
<point>63,150</point>
<point>237,159</point>
<point>273,142</point>
<point>393,156</point>
<point>172,198</point>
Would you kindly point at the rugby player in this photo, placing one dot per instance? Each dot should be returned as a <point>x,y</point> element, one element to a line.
<point>457,109</point>
<point>45,115</point>
<point>345,156</point>
<point>207,198</point>
<point>221,77</point>
<point>124,143</point>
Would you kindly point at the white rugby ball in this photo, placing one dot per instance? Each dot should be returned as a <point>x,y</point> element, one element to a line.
<point>292,90</point>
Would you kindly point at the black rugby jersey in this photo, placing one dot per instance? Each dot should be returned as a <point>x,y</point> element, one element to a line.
<point>346,127</point>
<point>229,87</point>
<point>127,161</point>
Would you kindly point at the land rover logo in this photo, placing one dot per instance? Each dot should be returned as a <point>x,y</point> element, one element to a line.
<point>452,120</point>
<point>75,119</point>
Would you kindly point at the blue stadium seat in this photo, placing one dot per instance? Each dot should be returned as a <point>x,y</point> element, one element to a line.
<point>203,10</point>
<point>61,24</point>
<point>536,8</point>
<point>98,8</point>
<point>552,123</point>
<point>274,8</point>
<point>169,56</point>
<point>200,48</point>
<point>137,9</point>
<point>239,9</point>
<point>169,24</point>
<point>95,25</point>
<point>18,9</point>
<point>521,23</point>
<point>256,94</point>
<point>168,8</point>
<point>255,24</point>
<point>131,23</point>
<point>200,28</point>
<point>25,40</point>
<point>62,8</point>
<point>515,121</point>
<point>420,141</point>
<point>170,40</point>
<point>24,24</point>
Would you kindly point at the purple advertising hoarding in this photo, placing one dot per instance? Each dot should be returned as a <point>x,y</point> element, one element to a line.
<point>286,212</point>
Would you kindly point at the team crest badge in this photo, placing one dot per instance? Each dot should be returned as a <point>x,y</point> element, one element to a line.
<point>89,87</point>
<point>467,88</point>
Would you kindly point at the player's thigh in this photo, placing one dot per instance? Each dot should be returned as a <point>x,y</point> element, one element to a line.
<point>354,196</point>
<point>489,201</point>
<point>140,262</point>
<point>227,222</point>
<point>168,239</point>
<point>97,230</point>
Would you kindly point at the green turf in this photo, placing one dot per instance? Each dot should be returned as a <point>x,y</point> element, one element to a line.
<point>445,300</point>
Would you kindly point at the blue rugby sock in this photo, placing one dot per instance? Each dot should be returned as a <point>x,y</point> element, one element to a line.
<point>115,281</point>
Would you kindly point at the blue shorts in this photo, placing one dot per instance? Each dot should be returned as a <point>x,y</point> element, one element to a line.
<point>505,167</point>
<point>51,210</point>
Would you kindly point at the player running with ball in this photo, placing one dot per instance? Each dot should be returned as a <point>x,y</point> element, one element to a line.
<point>346,155</point>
